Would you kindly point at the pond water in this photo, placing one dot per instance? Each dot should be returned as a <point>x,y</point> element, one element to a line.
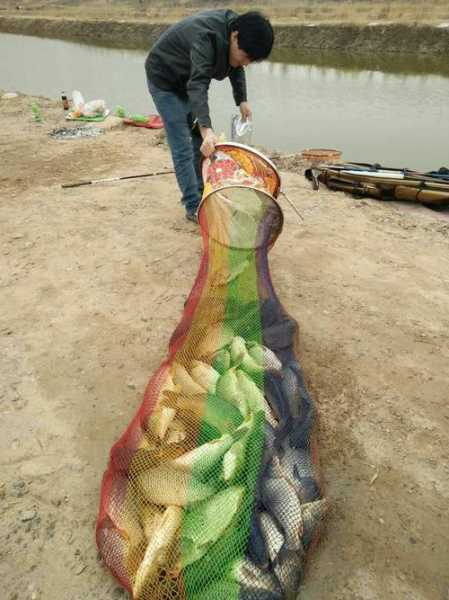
<point>390,110</point>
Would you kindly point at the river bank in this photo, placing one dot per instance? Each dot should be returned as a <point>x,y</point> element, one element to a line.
<point>93,284</point>
<point>380,38</point>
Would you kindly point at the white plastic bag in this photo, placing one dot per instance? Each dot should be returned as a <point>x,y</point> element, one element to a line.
<point>87,109</point>
<point>77,100</point>
<point>241,130</point>
<point>94,108</point>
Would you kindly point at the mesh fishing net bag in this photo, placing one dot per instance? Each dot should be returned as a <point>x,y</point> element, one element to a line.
<point>212,492</point>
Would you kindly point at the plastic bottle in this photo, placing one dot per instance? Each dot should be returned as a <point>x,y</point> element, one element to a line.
<point>65,101</point>
<point>36,110</point>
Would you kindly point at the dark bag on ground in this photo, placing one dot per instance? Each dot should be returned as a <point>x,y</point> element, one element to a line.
<point>361,179</point>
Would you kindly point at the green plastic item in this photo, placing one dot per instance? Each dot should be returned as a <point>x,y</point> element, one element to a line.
<point>96,119</point>
<point>138,118</point>
<point>37,114</point>
<point>120,112</point>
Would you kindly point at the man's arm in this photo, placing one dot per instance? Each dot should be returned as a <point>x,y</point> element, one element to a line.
<point>202,56</point>
<point>238,81</point>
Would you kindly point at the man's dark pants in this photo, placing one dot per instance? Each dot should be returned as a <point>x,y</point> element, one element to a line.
<point>184,144</point>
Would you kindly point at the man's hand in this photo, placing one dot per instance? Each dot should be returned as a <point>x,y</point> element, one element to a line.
<point>245,111</point>
<point>209,140</point>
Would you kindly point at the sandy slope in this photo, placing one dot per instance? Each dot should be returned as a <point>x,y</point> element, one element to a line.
<point>93,282</point>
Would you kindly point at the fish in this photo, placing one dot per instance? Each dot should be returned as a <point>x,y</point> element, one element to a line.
<point>160,420</point>
<point>295,393</point>
<point>169,486</point>
<point>183,379</point>
<point>295,367</point>
<point>283,504</point>
<point>268,456</point>
<point>234,459</point>
<point>228,388</point>
<point>270,435</point>
<point>150,519</point>
<point>124,514</point>
<point>253,396</point>
<point>222,590</point>
<point>290,390</point>
<point>207,521</point>
<point>131,461</point>
<point>275,396</point>
<point>272,469</point>
<point>296,466</point>
<point>250,593</point>
<point>274,540</point>
<point>270,418</point>
<point>292,405</point>
<point>237,350</point>
<point>296,462</point>
<point>308,489</point>
<point>226,589</point>
<point>256,583</point>
<point>264,357</point>
<point>257,549</point>
<point>288,571</point>
<point>299,429</point>
<point>157,549</point>
<point>202,459</point>
<point>269,447</point>
<point>313,514</point>
<point>204,375</point>
<point>221,361</point>
<point>214,338</point>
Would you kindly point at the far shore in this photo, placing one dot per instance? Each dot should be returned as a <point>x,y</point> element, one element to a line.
<point>371,38</point>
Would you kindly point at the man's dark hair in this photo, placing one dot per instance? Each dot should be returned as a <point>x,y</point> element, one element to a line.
<point>256,34</point>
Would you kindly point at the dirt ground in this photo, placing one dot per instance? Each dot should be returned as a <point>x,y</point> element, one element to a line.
<point>93,281</point>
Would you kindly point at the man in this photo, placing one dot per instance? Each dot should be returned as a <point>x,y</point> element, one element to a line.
<point>213,44</point>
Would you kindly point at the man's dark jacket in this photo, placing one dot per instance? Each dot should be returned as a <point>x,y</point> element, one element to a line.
<point>191,53</point>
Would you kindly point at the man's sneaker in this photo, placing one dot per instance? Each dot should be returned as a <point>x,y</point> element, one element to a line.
<point>191,216</point>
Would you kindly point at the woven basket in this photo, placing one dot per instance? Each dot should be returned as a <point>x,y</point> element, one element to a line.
<point>315,155</point>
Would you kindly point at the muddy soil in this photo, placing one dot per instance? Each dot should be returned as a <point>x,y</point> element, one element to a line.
<point>93,282</point>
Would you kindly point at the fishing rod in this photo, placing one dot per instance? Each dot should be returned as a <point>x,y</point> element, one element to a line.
<point>293,206</point>
<point>95,181</point>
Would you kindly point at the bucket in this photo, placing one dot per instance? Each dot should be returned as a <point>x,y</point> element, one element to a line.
<point>321,155</point>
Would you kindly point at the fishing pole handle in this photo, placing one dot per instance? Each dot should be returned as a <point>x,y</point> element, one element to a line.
<point>73,185</point>
<point>93,182</point>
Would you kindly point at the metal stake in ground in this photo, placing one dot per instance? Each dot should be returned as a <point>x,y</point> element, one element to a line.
<point>95,181</point>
